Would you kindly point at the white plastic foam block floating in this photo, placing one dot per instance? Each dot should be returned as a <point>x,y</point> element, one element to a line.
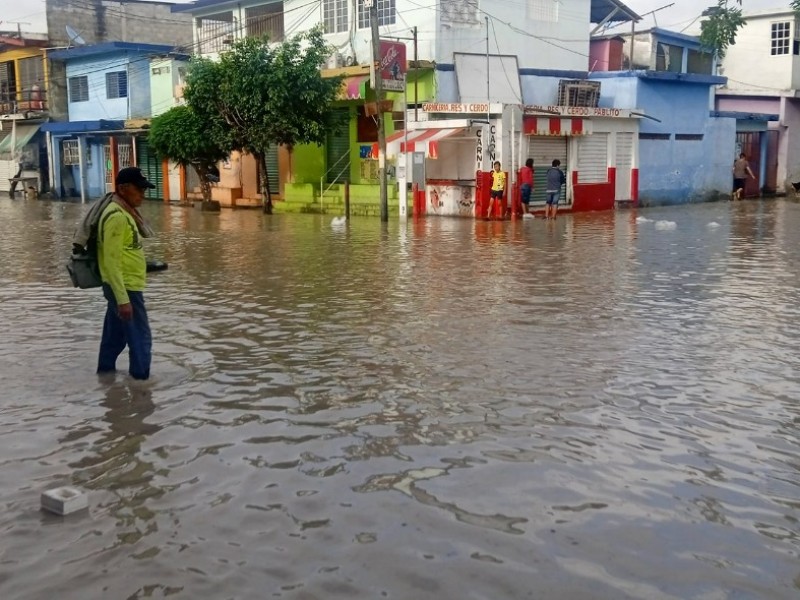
<point>64,500</point>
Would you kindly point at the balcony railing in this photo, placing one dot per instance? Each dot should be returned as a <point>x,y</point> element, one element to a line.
<point>266,25</point>
<point>217,36</point>
<point>24,101</point>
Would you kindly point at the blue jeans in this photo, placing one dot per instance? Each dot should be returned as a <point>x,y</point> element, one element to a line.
<point>118,333</point>
<point>525,192</point>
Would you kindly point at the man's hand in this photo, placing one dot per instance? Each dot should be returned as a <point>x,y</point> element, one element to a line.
<point>125,311</point>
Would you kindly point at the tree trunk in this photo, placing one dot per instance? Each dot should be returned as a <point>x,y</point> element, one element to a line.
<point>205,184</point>
<point>266,196</point>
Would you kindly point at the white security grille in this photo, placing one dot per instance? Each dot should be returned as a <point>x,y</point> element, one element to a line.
<point>124,155</point>
<point>593,158</point>
<point>70,153</point>
<point>386,13</point>
<point>543,10</point>
<point>624,165</point>
<point>334,15</point>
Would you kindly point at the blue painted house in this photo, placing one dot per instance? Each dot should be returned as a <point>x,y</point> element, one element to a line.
<point>109,95</point>
<point>685,149</point>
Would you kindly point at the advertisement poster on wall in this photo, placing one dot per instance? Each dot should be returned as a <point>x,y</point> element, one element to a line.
<point>392,67</point>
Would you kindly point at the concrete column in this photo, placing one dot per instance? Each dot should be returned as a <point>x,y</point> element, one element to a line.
<point>84,177</point>
<point>762,171</point>
<point>51,166</point>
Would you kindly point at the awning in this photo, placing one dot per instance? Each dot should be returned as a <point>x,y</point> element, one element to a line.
<point>24,135</point>
<point>354,88</point>
<point>73,127</point>
<point>556,126</point>
<point>421,140</point>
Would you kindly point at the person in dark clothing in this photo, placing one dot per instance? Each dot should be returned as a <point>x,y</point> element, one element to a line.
<point>555,179</point>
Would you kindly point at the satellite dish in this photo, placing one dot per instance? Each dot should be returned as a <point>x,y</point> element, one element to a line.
<point>75,38</point>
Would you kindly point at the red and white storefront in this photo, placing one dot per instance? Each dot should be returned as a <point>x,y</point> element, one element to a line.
<point>597,147</point>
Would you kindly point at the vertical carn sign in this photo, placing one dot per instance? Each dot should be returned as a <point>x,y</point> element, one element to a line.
<point>392,68</point>
<point>486,147</point>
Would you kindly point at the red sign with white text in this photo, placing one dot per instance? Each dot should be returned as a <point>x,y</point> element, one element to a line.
<point>392,67</point>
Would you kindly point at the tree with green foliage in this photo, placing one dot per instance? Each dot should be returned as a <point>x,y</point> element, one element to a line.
<point>182,136</point>
<point>718,30</point>
<point>259,95</point>
<point>722,22</point>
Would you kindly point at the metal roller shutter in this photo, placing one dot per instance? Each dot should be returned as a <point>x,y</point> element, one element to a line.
<point>544,150</point>
<point>150,165</point>
<point>8,168</point>
<point>272,170</point>
<point>593,158</point>
<point>624,165</point>
<point>337,151</point>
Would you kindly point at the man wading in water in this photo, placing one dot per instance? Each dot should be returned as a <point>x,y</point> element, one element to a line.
<point>124,272</point>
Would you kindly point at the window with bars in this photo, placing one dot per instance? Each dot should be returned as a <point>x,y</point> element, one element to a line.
<point>543,10</point>
<point>334,15</point>
<point>116,85</point>
<point>386,13</point>
<point>780,38</point>
<point>70,154</point>
<point>79,88</point>
<point>31,72</point>
<point>459,13</point>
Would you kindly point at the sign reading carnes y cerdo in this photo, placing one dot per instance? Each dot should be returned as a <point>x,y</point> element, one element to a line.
<point>578,111</point>
<point>476,108</point>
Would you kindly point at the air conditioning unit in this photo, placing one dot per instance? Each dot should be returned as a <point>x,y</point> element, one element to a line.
<point>333,61</point>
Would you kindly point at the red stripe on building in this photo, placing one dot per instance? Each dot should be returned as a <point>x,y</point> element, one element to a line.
<point>555,126</point>
<point>529,125</point>
<point>577,126</point>
<point>635,185</point>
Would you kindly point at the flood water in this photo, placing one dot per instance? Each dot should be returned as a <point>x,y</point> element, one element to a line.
<point>592,408</point>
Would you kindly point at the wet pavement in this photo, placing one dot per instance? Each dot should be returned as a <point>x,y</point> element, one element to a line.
<point>600,407</point>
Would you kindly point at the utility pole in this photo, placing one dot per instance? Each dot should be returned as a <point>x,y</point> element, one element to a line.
<point>416,77</point>
<point>376,61</point>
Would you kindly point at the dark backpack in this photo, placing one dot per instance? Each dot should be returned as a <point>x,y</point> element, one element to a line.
<point>83,265</point>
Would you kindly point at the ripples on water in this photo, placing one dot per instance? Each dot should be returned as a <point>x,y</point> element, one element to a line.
<point>592,408</point>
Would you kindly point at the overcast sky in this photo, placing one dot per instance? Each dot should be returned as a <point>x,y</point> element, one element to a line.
<point>683,12</point>
<point>677,17</point>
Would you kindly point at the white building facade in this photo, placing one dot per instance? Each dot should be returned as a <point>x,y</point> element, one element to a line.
<point>763,72</point>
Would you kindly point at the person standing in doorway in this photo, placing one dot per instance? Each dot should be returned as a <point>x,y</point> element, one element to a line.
<point>498,188</point>
<point>526,182</point>
<point>741,169</point>
<point>124,272</point>
<point>555,179</point>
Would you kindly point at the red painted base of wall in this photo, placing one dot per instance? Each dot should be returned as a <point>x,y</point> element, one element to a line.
<point>594,196</point>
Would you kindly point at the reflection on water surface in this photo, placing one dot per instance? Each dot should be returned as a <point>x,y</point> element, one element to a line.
<point>591,408</point>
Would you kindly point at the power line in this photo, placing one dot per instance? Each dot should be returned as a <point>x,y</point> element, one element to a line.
<point>505,72</point>
<point>195,45</point>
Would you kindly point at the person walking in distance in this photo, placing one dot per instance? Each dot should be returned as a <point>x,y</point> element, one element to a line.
<point>498,187</point>
<point>741,169</point>
<point>526,181</point>
<point>124,273</point>
<point>555,179</point>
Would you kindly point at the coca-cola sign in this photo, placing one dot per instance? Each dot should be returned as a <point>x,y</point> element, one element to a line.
<point>392,66</point>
